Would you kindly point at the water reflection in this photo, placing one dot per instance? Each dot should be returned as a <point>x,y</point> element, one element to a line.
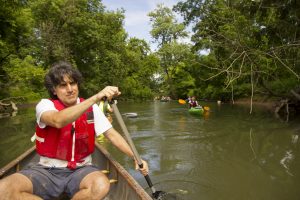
<point>15,135</point>
<point>9,114</point>
<point>286,160</point>
<point>228,154</point>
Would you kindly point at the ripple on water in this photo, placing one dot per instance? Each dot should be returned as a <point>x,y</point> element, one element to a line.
<point>180,189</point>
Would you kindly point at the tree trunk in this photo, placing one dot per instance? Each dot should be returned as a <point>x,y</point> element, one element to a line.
<point>295,94</point>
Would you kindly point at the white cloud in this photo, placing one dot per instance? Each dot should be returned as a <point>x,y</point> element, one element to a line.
<point>136,18</point>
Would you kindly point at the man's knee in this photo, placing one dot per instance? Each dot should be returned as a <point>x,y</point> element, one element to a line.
<point>16,183</point>
<point>96,184</point>
<point>6,189</point>
<point>16,186</point>
<point>100,186</point>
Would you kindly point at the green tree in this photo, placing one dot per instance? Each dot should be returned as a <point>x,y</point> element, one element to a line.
<point>174,58</point>
<point>166,31</point>
<point>19,72</point>
<point>165,27</point>
<point>141,66</point>
<point>254,43</point>
<point>83,33</point>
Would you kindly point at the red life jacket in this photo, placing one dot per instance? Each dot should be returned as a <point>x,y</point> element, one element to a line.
<point>57,143</point>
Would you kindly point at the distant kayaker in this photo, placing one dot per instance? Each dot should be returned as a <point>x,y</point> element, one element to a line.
<point>65,139</point>
<point>193,102</point>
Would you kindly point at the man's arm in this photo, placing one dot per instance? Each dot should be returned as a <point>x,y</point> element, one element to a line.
<point>59,119</point>
<point>118,141</point>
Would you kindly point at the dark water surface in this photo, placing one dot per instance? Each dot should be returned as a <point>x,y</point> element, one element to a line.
<point>227,154</point>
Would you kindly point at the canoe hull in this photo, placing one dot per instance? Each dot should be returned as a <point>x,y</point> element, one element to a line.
<point>126,188</point>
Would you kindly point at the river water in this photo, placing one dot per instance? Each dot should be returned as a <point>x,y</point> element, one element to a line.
<point>226,154</point>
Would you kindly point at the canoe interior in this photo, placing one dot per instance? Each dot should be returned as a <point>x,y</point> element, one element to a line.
<point>126,188</point>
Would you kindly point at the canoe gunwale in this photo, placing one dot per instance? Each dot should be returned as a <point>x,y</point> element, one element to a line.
<point>15,163</point>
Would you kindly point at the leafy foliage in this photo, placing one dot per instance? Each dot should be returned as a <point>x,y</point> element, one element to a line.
<point>254,42</point>
<point>35,34</point>
<point>252,48</point>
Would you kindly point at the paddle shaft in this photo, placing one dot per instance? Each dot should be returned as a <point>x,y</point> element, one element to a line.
<point>129,140</point>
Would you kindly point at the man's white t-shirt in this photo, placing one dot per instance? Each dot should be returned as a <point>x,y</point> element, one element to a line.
<point>101,125</point>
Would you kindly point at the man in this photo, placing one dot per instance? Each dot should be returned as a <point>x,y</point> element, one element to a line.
<point>65,136</point>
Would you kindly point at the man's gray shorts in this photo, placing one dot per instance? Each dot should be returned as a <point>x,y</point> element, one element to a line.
<point>49,183</point>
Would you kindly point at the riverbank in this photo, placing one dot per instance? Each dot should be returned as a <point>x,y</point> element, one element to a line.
<point>268,103</point>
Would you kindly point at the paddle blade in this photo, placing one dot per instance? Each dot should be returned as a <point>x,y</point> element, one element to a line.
<point>181,101</point>
<point>206,108</point>
<point>160,195</point>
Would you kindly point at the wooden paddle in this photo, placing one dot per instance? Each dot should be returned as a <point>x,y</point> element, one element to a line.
<point>155,194</point>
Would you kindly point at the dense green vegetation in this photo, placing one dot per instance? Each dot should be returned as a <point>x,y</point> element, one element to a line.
<point>252,47</point>
<point>35,34</point>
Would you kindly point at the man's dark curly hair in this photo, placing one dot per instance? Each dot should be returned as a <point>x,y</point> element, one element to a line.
<point>56,75</point>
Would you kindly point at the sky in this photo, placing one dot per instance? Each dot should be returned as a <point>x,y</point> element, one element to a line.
<point>137,23</point>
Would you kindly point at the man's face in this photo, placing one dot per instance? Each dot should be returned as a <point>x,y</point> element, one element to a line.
<point>67,91</point>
